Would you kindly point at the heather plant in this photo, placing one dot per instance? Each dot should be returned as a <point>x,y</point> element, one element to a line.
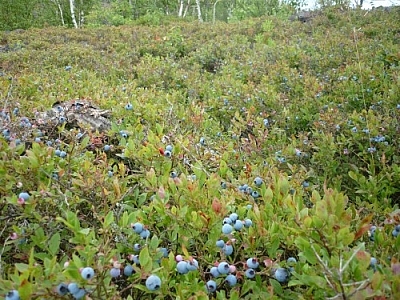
<point>249,160</point>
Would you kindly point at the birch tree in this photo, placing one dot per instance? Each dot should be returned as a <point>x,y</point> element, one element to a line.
<point>199,11</point>
<point>72,9</point>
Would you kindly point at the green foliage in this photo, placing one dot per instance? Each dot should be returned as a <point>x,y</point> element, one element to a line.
<point>314,113</point>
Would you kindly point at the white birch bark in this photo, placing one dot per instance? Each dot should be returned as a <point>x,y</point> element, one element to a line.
<point>72,8</point>
<point>199,11</point>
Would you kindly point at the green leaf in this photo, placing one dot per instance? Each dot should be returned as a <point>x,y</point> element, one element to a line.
<point>276,286</point>
<point>54,244</point>
<point>145,260</point>
<point>21,267</point>
<point>108,220</point>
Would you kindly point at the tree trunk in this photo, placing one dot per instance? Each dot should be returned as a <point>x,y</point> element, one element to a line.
<point>180,12</point>
<point>72,8</point>
<point>214,9</point>
<point>60,11</point>
<point>186,9</point>
<point>199,10</point>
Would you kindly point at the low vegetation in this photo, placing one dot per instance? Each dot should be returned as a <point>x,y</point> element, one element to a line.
<point>253,160</point>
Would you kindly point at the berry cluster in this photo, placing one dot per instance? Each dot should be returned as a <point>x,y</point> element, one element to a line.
<point>73,288</point>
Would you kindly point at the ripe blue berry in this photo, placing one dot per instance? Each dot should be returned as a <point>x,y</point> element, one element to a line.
<point>291,261</point>
<point>137,227</point>
<point>192,265</point>
<point>167,153</point>
<point>238,225</point>
<point>258,181</point>
<point>73,287</point>
<point>250,273</point>
<point>397,228</point>
<point>223,185</point>
<point>136,247</point>
<point>214,272</point>
<point>87,273</point>
<point>153,282</point>
<point>233,217</point>
<point>223,268</point>
<point>114,272</point>
<point>12,295</point>
<point>255,194</point>
<point>128,270</point>
<point>169,148</point>
<point>227,221</point>
<point>281,275</point>
<point>129,106</point>
<point>220,244</point>
<point>395,233</point>
<point>247,223</point>
<point>182,267</point>
<point>62,289</point>
<point>173,174</point>
<point>145,234</point>
<point>228,249</point>
<point>57,152</point>
<point>63,154</point>
<point>110,173</point>
<point>227,229</point>
<point>211,286</point>
<point>107,147</point>
<point>231,280</point>
<point>79,294</point>
<point>252,263</point>
<point>164,251</point>
<point>24,196</point>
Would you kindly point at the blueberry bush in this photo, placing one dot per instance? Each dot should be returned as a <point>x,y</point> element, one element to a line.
<point>252,160</point>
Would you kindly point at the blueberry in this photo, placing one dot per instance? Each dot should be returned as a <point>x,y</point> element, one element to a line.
<point>397,228</point>
<point>182,267</point>
<point>57,152</point>
<point>12,295</point>
<point>228,249</point>
<point>281,275</point>
<point>62,119</point>
<point>169,148</point>
<point>258,181</point>
<point>135,259</point>
<point>73,287</point>
<point>211,286</point>
<point>68,68</point>
<point>252,263</point>
<point>6,132</point>
<point>63,154</point>
<point>238,225</point>
<point>137,227</point>
<point>79,294</point>
<point>395,233</point>
<point>373,263</point>
<point>107,147</point>
<point>223,268</point>
<point>250,273</point>
<point>87,273</point>
<point>291,261</point>
<point>173,174</point>
<point>220,244</point>
<point>231,280</point>
<point>214,272</point>
<point>110,173</point>
<point>164,251</point>
<point>136,247</point>
<point>114,272</point>
<point>233,217</point>
<point>38,140</point>
<point>167,153</point>
<point>255,194</point>
<point>123,134</point>
<point>153,282</point>
<point>24,196</point>
<point>202,141</point>
<point>227,229</point>
<point>128,270</point>
<point>227,221</point>
<point>192,265</point>
<point>145,234</point>
<point>62,289</point>
<point>305,184</point>
<point>249,190</point>
<point>129,106</point>
<point>247,223</point>
<point>223,185</point>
